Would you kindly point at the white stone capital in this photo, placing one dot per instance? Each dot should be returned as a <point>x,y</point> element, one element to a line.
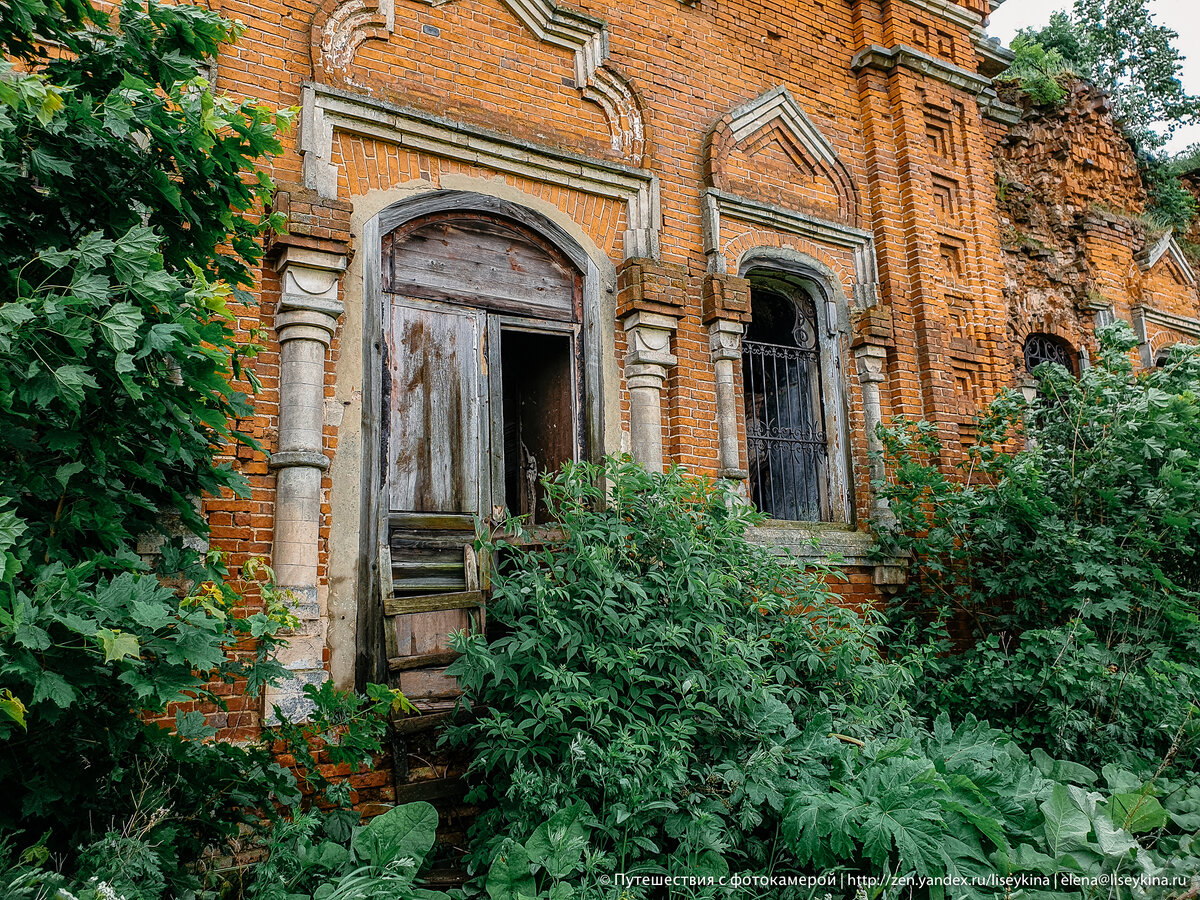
<point>872,363</point>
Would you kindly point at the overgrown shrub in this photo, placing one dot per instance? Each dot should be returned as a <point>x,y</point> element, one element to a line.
<point>130,216</point>
<point>1059,561</point>
<point>1038,72</point>
<point>665,697</point>
<point>649,662</point>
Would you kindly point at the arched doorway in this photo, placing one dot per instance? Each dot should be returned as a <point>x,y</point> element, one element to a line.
<point>483,369</point>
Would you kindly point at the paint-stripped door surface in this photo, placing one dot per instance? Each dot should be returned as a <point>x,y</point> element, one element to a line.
<point>436,452</point>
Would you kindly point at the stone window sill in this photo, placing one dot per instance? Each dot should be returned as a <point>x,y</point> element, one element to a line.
<point>820,541</point>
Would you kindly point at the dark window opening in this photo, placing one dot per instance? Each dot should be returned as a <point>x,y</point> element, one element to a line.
<point>1043,348</point>
<point>539,432</point>
<point>786,443</point>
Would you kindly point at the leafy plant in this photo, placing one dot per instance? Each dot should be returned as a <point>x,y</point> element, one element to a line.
<point>129,219</point>
<point>1038,71</point>
<point>343,728</point>
<point>1063,576</point>
<point>648,672</point>
<point>1134,59</point>
<point>376,861</point>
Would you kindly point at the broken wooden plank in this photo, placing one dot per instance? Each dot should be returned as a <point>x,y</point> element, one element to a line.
<point>399,606</point>
<point>403,663</point>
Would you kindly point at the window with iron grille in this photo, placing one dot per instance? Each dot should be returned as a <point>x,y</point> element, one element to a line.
<point>787,449</point>
<point>1042,348</point>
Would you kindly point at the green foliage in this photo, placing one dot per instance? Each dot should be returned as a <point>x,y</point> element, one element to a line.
<point>1119,45</point>
<point>1063,575</point>
<point>343,728</point>
<point>650,666</point>
<point>128,217</point>
<point>376,861</point>
<point>667,697</point>
<point>1039,71</point>
<point>1171,204</point>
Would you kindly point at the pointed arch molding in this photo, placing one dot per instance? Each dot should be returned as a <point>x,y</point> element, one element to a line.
<point>777,114</point>
<point>340,27</point>
<point>1168,246</point>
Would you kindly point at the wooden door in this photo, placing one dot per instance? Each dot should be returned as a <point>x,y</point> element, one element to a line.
<point>437,440</point>
<point>437,482</point>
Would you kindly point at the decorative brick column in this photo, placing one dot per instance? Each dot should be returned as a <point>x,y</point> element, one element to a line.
<point>650,297</point>
<point>725,307</point>
<point>310,260</point>
<point>647,365</point>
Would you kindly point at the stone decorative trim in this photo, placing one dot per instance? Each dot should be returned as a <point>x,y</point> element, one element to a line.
<point>287,458</point>
<point>725,345</point>
<point>818,542</point>
<point>325,110</point>
<point>718,205</point>
<point>339,31</point>
<point>950,11</point>
<point>872,372</point>
<point>777,108</point>
<point>305,321</point>
<point>1167,246</point>
<point>1143,315</point>
<point>996,57</point>
<point>647,364</point>
<point>901,56</point>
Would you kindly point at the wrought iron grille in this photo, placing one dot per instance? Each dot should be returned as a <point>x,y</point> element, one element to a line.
<point>1040,348</point>
<point>785,433</point>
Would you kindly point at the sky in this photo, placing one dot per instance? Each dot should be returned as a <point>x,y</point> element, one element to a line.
<point>1180,15</point>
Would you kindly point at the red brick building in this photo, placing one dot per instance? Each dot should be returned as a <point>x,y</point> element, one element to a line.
<point>733,236</point>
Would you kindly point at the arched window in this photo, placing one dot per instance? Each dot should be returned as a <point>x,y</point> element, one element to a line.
<point>786,432</point>
<point>1041,348</point>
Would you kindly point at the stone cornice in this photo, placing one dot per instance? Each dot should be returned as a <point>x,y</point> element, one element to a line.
<point>325,110</point>
<point>901,56</point>
<point>720,205</point>
<point>1182,324</point>
<point>950,11</point>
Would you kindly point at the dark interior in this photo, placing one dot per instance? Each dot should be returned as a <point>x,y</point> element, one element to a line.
<point>539,432</point>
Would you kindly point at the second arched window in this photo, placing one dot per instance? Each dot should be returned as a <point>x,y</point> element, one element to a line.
<point>786,430</point>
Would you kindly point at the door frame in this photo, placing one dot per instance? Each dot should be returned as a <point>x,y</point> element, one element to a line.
<point>594,334</point>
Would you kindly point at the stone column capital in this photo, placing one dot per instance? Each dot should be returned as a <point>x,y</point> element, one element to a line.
<point>725,339</point>
<point>309,307</point>
<point>649,342</point>
<point>872,363</point>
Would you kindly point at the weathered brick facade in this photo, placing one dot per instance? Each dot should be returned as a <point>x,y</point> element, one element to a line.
<point>673,152</point>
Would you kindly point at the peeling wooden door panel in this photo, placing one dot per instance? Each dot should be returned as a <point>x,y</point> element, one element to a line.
<point>482,263</point>
<point>437,407</point>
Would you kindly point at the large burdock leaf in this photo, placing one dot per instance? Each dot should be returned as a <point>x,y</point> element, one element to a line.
<point>509,878</point>
<point>1137,813</point>
<point>558,844</point>
<point>1066,825</point>
<point>405,832</point>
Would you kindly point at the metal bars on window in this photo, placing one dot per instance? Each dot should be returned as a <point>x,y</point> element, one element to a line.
<point>785,433</point>
<point>1042,348</point>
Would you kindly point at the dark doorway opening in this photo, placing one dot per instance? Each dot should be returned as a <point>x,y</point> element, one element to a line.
<point>539,421</point>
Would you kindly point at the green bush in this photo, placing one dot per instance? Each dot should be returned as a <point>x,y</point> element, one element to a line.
<point>664,696</point>
<point>1038,72</point>
<point>649,666</point>
<point>1064,576</point>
